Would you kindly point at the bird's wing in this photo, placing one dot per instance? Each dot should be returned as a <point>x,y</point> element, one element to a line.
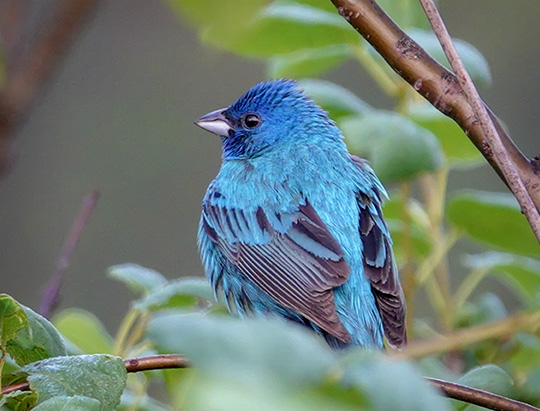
<point>379,265</point>
<point>290,256</point>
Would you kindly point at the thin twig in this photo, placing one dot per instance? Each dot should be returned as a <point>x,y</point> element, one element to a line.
<point>435,83</point>
<point>50,297</point>
<point>466,337</point>
<point>479,397</point>
<point>156,362</point>
<point>503,159</point>
<point>451,390</point>
<point>25,76</point>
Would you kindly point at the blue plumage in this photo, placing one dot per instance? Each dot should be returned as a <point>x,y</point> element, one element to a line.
<point>292,224</point>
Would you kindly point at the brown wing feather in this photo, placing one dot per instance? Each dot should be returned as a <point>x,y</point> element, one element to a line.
<point>290,267</point>
<point>384,277</point>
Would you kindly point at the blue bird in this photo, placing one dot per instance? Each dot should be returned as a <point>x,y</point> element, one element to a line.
<point>292,225</point>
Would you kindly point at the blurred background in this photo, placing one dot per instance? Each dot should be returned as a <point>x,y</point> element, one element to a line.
<point>117,115</point>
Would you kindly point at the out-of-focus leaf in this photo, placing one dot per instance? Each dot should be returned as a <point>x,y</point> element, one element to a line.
<point>459,150</point>
<point>487,307</point>
<point>84,330</point>
<point>337,100</point>
<point>474,61</point>
<point>398,148</point>
<point>65,403</point>
<point>255,31</point>
<point>320,4</point>
<point>526,355</point>
<point>220,394</point>
<point>489,378</point>
<point>130,401</point>
<point>102,377</point>
<point>179,293</point>
<point>521,273</point>
<point>494,219</point>
<point>393,213</point>
<point>406,13</point>
<point>205,12</point>
<point>309,62</point>
<point>245,350</point>
<point>388,383</point>
<point>139,279</point>
<point>25,335</point>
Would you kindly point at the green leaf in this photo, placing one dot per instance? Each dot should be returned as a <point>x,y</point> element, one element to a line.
<point>388,383</point>
<point>18,401</point>
<point>406,13</point>
<point>25,335</point>
<point>521,273</point>
<point>489,378</point>
<point>494,219</point>
<point>98,376</point>
<point>474,61</point>
<point>420,226</point>
<point>131,401</point>
<point>252,28</point>
<point>65,403</point>
<point>245,350</point>
<point>84,330</point>
<point>208,13</point>
<point>526,354</point>
<point>397,148</point>
<point>139,279</point>
<point>459,150</point>
<point>308,62</point>
<point>179,293</point>
<point>337,100</point>
<point>320,4</point>
<point>283,28</point>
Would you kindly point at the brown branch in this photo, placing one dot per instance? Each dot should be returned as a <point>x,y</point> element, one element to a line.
<point>488,128</point>
<point>156,362</point>
<point>25,76</point>
<point>435,83</point>
<point>478,397</point>
<point>50,297</point>
<point>450,389</point>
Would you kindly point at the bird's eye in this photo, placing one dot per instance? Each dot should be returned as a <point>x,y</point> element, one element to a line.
<point>251,120</point>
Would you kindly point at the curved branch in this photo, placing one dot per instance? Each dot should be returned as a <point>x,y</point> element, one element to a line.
<point>450,389</point>
<point>51,295</point>
<point>501,156</point>
<point>435,83</point>
<point>479,397</point>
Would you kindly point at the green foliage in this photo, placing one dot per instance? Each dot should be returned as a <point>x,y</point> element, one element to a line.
<point>25,335</point>
<point>399,149</point>
<point>459,151</point>
<point>494,219</point>
<point>521,273</point>
<point>336,100</point>
<point>99,376</point>
<point>65,403</point>
<point>309,62</point>
<point>139,279</point>
<point>474,61</point>
<point>84,331</point>
<point>269,364</point>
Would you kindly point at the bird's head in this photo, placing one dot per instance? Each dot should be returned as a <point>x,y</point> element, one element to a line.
<point>270,115</point>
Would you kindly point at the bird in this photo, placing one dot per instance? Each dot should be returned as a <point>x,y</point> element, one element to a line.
<point>292,224</point>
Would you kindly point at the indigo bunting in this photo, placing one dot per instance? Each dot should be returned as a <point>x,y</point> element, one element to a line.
<point>292,225</point>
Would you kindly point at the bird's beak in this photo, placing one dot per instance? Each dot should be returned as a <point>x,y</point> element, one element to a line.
<point>215,122</point>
